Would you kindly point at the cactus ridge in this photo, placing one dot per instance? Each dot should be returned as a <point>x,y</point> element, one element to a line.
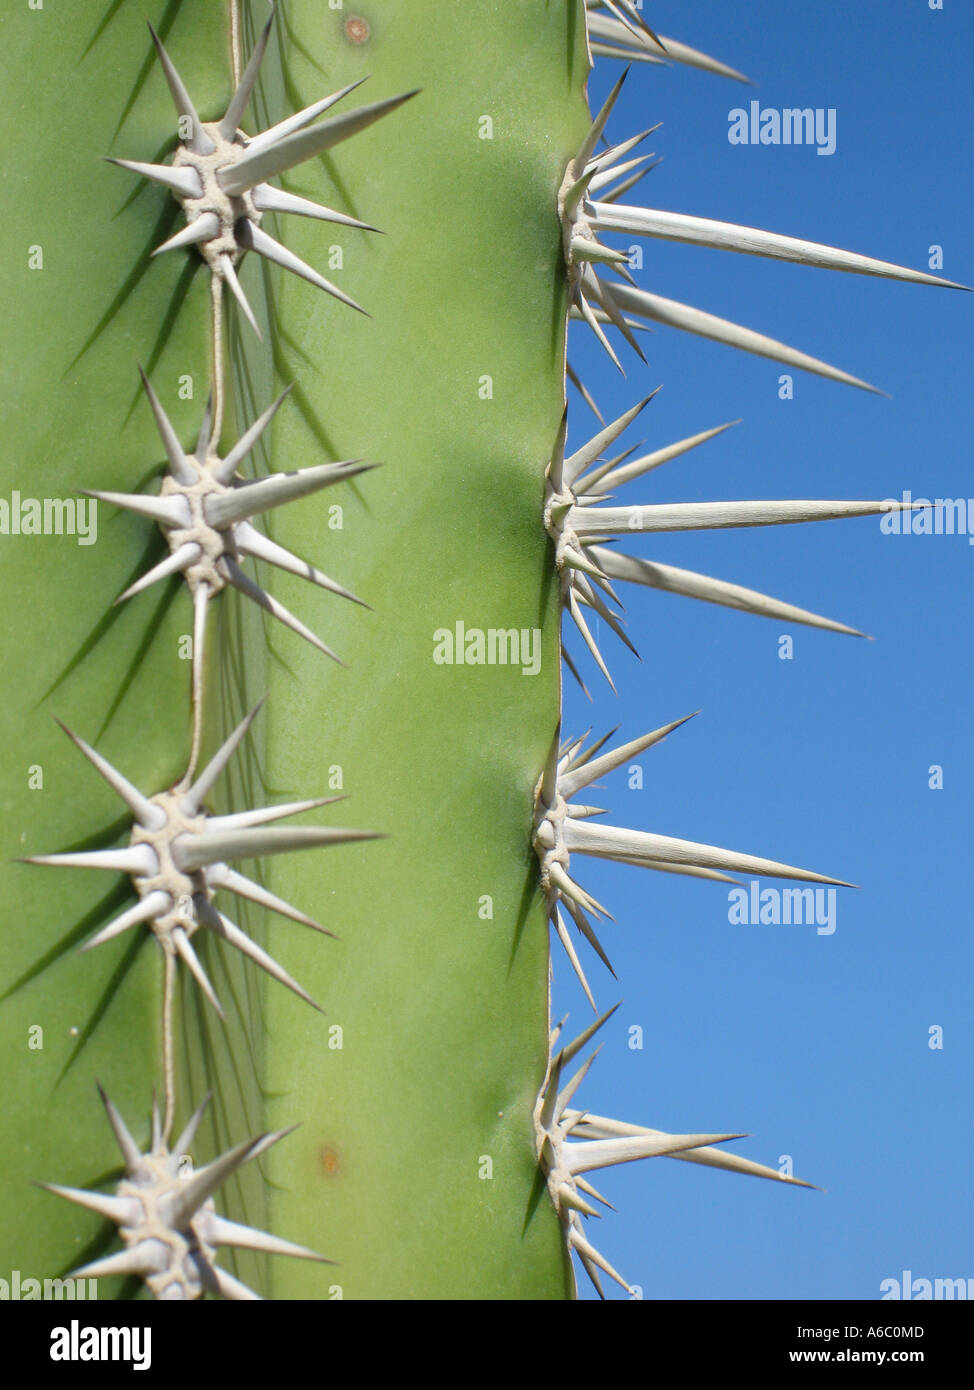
<point>179,855</point>
<point>577,518</point>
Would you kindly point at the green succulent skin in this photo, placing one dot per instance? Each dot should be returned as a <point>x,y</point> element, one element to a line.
<point>414,1165</point>
<point>73,420</point>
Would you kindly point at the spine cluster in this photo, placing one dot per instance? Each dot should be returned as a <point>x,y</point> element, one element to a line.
<point>180,857</point>
<point>584,527</point>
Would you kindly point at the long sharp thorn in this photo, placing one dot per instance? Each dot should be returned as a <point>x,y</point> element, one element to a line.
<point>584,249</point>
<point>185,950</point>
<point>628,15</point>
<point>575,560</point>
<point>232,933</point>
<point>568,1197</point>
<point>689,871</point>
<point>573,669</point>
<point>171,512</point>
<point>138,860</point>
<point>607,479</point>
<point>248,499</point>
<point>263,1142</point>
<point>255,167</point>
<point>270,199</point>
<point>706,516</point>
<point>222,876</point>
<point>567,1092</point>
<point>704,325</point>
<point>577,912</point>
<point>199,141</point>
<point>141,1259</point>
<point>250,541</point>
<point>300,119</point>
<point>572,954</point>
<point>728,236</point>
<point>578,903</point>
<point>129,1148</point>
<point>193,799</point>
<point>598,125</point>
<point>617,319</point>
<point>203,228</point>
<point>185,555</point>
<point>700,586</point>
<point>616,171</point>
<point>604,612</point>
<point>229,465</point>
<point>628,184</point>
<point>586,1186</point>
<point>624,45</point>
<point>182,1144</point>
<point>220,1231</point>
<point>184,181</point>
<point>571,1050</point>
<point>182,470</point>
<point>606,1153</point>
<point>230,276</point>
<point>628,55</point>
<point>587,637</point>
<point>573,781</point>
<point>600,1127</point>
<point>642,848</point>
<point>567,887</point>
<point>121,1210</point>
<point>584,457</point>
<point>257,240</point>
<point>196,851</point>
<point>240,98</point>
<point>578,758</point>
<point>609,158</point>
<point>547,1115</point>
<point>584,392</point>
<point>151,816</point>
<point>587,1265</point>
<point>230,1287</point>
<point>264,815</point>
<point>152,905</point>
<point>246,585</point>
<point>589,316</point>
<point>205,1181</point>
<point>589,1252</point>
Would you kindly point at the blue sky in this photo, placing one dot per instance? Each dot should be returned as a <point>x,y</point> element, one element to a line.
<point>817,1045</point>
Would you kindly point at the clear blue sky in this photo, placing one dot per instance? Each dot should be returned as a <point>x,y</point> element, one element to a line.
<point>816,1045</point>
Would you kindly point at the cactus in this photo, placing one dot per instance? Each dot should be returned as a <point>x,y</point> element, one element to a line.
<point>388,1001</point>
